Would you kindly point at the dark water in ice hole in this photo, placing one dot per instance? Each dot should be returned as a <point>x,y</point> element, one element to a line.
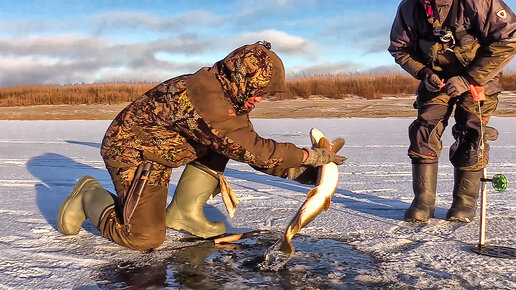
<point>316,264</point>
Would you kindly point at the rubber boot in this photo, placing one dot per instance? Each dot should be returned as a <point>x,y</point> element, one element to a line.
<point>88,199</point>
<point>424,183</point>
<point>465,194</point>
<point>186,211</point>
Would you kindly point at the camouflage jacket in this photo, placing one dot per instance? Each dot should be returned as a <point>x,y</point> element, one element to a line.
<point>184,117</point>
<point>484,39</point>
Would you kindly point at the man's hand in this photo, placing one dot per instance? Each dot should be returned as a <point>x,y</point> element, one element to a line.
<point>433,83</point>
<point>319,157</point>
<point>456,86</point>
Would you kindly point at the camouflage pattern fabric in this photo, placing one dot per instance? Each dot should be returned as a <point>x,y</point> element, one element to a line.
<point>202,117</point>
<point>243,73</point>
<point>159,175</point>
<point>164,126</point>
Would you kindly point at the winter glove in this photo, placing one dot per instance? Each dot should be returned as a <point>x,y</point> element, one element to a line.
<point>319,157</point>
<point>456,86</point>
<point>433,83</point>
<point>304,174</point>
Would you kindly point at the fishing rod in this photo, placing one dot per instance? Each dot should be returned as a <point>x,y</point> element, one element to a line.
<point>499,182</point>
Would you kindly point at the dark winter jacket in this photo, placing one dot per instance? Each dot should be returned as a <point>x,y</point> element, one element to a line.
<point>484,39</point>
<point>185,117</point>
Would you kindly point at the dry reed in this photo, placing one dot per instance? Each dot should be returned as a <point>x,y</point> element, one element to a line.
<point>509,81</point>
<point>108,93</point>
<point>343,85</point>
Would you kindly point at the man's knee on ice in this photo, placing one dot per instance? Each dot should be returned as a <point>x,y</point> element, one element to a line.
<point>147,241</point>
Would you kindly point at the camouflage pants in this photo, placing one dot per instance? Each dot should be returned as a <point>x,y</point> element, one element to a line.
<point>147,228</point>
<point>434,111</point>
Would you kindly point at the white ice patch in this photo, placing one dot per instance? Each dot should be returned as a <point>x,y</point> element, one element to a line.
<point>41,160</point>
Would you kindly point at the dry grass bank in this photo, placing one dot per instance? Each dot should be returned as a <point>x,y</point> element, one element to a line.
<point>108,93</point>
<point>329,86</point>
<point>344,85</point>
<point>509,82</point>
<point>354,107</point>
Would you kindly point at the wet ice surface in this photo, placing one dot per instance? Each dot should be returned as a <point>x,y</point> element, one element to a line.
<point>273,258</point>
<point>317,264</point>
<point>40,161</point>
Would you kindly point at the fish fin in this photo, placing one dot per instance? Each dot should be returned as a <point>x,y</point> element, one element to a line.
<point>317,138</point>
<point>298,225</point>
<point>324,143</point>
<point>327,203</point>
<point>312,192</point>
<point>337,144</point>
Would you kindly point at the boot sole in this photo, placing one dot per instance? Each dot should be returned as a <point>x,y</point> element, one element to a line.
<point>75,192</point>
<point>417,220</point>
<point>458,215</point>
<point>459,219</point>
<point>179,225</point>
<point>417,216</point>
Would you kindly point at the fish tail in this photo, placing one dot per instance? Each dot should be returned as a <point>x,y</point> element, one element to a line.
<point>286,243</point>
<point>327,203</point>
<point>324,143</point>
<point>287,247</point>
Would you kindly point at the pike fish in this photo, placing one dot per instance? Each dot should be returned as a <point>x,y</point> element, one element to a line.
<point>317,200</point>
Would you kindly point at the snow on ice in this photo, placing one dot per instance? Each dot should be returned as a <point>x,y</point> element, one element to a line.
<point>40,161</point>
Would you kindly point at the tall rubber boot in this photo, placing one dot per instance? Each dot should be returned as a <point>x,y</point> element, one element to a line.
<point>424,183</point>
<point>88,199</point>
<point>466,189</point>
<point>186,211</point>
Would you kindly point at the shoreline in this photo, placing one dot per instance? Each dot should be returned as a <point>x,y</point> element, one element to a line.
<point>352,107</point>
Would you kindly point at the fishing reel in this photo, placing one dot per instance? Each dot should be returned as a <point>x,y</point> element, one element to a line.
<point>499,182</point>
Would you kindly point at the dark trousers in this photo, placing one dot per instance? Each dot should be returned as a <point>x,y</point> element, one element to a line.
<point>147,228</point>
<point>434,111</point>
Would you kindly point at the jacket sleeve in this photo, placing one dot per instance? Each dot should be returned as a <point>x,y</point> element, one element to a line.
<point>233,135</point>
<point>496,25</point>
<point>403,41</point>
<point>259,152</point>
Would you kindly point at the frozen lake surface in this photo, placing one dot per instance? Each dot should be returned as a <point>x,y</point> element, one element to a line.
<point>361,242</point>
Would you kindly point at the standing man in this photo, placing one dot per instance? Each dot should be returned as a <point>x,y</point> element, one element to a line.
<point>450,45</point>
<point>200,120</point>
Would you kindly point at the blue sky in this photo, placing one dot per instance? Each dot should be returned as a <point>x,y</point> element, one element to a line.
<point>68,42</point>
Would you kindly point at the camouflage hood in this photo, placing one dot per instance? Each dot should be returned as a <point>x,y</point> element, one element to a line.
<point>251,70</point>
